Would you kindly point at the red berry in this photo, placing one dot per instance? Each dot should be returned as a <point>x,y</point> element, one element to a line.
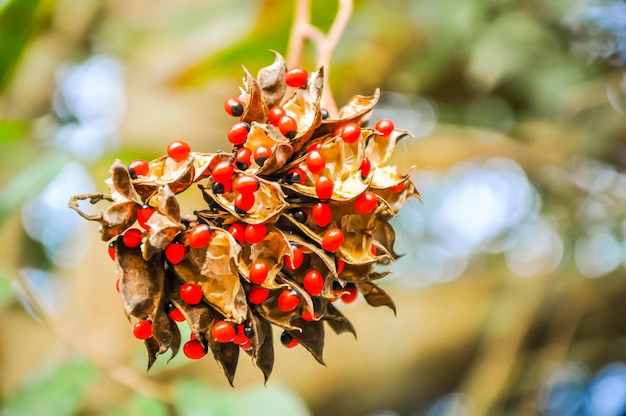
<point>315,161</point>
<point>288,127</point>
<point>238,231</point>
<point>143,214</point>
<point>313,282</point>
<point>243,203</point>
<point>296,175</point>
<point>138,168</point>
<point>233,106</point>
<point>288,340</point>
<point>340,265</point>
<point>324,187</point>
<point>223,331</point>
<point>308,316</point>
<point>295,261</point>
<point>193,349</point>
<point>322,214</point>
<point>351,132</point>
<point>175,253</point>
<point>176,315</point>
<point>384,126</point>
<point>142,329</point>
<point>246,184</point>
<point>191,293</point>
<point>314,146</point>
<point>178,150</point>
<point>373,249</point>
<point>255,233</point>
<point>275,114</point>
<point>261,154</point>
<point>258,272</point>
<point>242,158</point>
<point>112,250</point>
<point>257,295</point>
<point>366,167</point>
<point>222,172</point>
<point>117,285</point>
<point>288,300</point>
<point>398,188</point>
<point>332,239</point>
<point>296,77</point>
<point>352,293</point>
<point>337,131</point>
<point>246,346</point>
<point>199,236</point>
<point>366,203</point>
<point>238,133</point>
<point>132,238</point>
<point>240,338</point>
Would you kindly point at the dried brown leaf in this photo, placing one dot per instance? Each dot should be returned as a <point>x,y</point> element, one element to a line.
<point>376,296</point>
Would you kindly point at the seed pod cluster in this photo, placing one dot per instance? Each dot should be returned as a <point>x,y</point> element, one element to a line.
<point>296,218</point>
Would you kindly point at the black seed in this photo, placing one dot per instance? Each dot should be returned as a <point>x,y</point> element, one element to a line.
<point>285,338</point>
<point>240,211</point>
<point>248,330</point>
<point>241,165</point>
<point>291,134</point>
<point>261,160</point>
<point>132,173</point>
<point>170,307</point>
<point>293,177</point>
<point>325,114</point>
<point>337,286</point>
<point>236,110</point>
<point>300,216</point>
<point>217,188</point>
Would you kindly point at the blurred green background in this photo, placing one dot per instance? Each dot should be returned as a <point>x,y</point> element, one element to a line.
<point>510,296</point>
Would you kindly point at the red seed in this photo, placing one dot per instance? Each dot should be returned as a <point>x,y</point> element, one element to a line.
<point>288,127</point>
<point>112,250</point>
<point>238,133</point>
<point>351,132</point>
<point>191,293</point>
<point>366,167</point>
<point>176,315</point>
<point>246,184</point>
<point>384,126</point>
<point>193,349</point>
<point>233,106</point>
<point>243,158</point>
<point>295,261</point>
<point>275,114</point>
<point>199,236</point>
<point>257,295</point>
<point>178,150</point>
<point>142,329</point>
<point>352,293</point>
<point>255,233</point>
<point>295,175</point>
<point>288,300</point>
<point>340,265</point>
<point>373,249</point>
<point>261,154</point>
<point>258,272</point>
<point>240,338</point>
<point>315,161</point>
<point>143,214</point>
<point>332,240</point>
<point>238,231</point>
<point>138,168</point>
<point>296,77</point>
<point>313,282</point>
<point>308,316</point>
<point>223,331</point>
<point>175,253</point>
<point>322,214</point>
<point>324,187</point>
<point>222,172</point>
<point>243,203</point>
<point>366,203</point>
<point>288,340</point>
<point>132,238</point>
<point>398,188</point>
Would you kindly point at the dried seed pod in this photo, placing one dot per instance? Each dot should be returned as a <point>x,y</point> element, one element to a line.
<point>294,221</point>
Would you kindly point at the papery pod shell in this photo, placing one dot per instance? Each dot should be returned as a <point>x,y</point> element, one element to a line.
<point>164,223</point>
<point>271,80</point>
<point>198,316</point>
<point>380,149</point>
<point>357,111</point>
<point>336,320</point>
<point>272,249</point>
<point>269,201</point>
<point>374,295</point>
<point>120,183</point>
<point>396,200</point>
<point>166,171</point>
<point>311,337</point>
<point>255,109</point>
<point>262,345</point>
<point>270,136</point>
<point>385,235</point>
<point>204,163</point>
<point>119,216</point>
<point>227,356</point>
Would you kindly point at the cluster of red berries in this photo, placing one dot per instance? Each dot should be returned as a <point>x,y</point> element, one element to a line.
<point>296,219</point>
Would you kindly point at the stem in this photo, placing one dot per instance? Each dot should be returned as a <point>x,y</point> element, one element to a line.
<point>299,29</point>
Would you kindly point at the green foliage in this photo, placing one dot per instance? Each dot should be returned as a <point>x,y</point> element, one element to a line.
<point>194,398</point>
<point>58,393</point>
